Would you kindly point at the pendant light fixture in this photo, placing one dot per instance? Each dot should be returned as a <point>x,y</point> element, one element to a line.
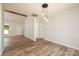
<point>45,11</point>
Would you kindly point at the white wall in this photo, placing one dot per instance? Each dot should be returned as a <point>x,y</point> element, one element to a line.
<point>1,32</point>
<point>16,23</point>
<point>16,26</point>
<point>36,24</point>
<point>62,28</point>
<point>29,27</point>
<point>0,28</point>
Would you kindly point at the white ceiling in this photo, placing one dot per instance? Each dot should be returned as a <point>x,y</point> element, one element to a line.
<point>30,8</point>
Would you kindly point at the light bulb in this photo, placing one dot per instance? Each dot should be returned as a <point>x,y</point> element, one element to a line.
<point>46,19</point>
<point>42,14</point>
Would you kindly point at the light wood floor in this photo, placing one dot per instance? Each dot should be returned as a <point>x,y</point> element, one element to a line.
<point>21,46</point>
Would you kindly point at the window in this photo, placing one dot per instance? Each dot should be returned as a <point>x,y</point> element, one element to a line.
<point>6,29</point>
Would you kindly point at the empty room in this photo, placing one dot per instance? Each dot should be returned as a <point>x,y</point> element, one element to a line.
<point>39,29</point>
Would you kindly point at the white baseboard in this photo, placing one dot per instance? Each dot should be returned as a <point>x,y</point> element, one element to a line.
<point>66,45</point>
<point>63,44</point>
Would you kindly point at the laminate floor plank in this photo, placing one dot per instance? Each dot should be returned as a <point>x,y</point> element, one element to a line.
<point>21,46</point>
